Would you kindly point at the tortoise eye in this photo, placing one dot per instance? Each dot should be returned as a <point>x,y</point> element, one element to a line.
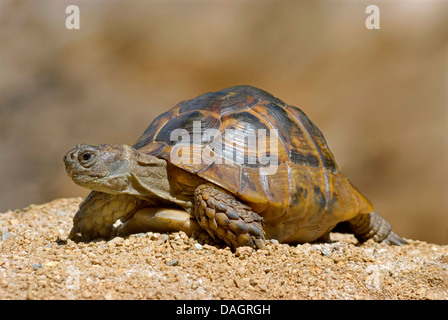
<point>87,159</point>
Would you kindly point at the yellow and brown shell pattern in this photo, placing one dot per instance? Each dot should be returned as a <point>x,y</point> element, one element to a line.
<point>305,197</point>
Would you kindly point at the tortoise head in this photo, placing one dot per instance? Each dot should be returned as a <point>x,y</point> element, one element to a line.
<point>116,168</point>
<point>103,168</point>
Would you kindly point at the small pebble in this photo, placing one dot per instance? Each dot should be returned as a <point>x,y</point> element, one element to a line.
<point>253,282</point>
<point>177,237</point>
<point>325,252</point>
<point>172,263</point>
<point>198,246</point>
<point>118,241</point>
<point>60,213</point>
<point>109,295</point>
<point>36,266</point>
<point>153,235</point>
<point>6,235</point>
<point>51,264</point>
<point>141,234</point>
<point>243,252</point>
<point>86,294</point>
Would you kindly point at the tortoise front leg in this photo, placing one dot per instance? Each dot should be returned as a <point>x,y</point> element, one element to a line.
<point>98,213</point>
<point>228,219</point>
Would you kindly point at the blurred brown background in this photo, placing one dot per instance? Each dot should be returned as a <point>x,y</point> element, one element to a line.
<point>379,96</point>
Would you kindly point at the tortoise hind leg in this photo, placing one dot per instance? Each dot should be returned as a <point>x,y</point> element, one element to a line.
<point>372,226</point>
<point>226,218</point>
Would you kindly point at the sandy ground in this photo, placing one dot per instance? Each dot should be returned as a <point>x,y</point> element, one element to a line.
<point>37,262</point>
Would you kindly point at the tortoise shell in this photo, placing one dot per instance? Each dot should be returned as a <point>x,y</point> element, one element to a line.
<point>305,197</point>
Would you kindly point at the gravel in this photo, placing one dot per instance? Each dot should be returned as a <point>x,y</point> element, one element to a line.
<point>37,262</point>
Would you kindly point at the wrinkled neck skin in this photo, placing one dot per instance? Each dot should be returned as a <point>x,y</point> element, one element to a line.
<point>143,176</point>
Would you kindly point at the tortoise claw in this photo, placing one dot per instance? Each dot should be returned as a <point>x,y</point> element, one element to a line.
<point>260,243</point>
<point>394,239</point>
<point>73,233</point>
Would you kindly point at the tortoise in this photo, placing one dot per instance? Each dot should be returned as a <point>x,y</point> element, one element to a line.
<point>237,196</point>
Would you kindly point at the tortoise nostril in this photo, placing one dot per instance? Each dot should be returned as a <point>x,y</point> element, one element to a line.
<point>72,155</point>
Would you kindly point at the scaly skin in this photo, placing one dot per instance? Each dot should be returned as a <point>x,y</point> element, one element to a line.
<point>373,226</point>
<point>98,213</point>
<point>227,219</point>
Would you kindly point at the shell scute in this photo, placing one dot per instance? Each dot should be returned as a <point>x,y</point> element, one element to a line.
<point>210,102</point>
<point>250,91</point>
<point>191,124</point>
<point>317,137</point>
<point>296,143</point>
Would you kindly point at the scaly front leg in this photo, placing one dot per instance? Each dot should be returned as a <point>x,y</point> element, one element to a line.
<point>228,219</point>
<point>98,213</point>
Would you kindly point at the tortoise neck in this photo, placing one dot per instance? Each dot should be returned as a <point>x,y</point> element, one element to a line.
<point>149,180</point>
